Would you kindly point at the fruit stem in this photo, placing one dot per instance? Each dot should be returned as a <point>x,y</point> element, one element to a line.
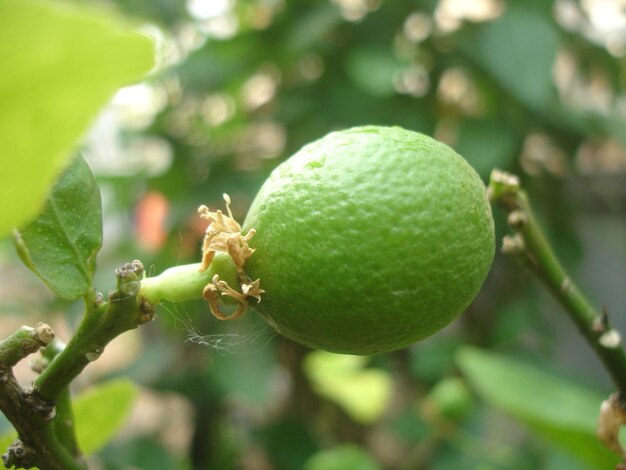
<point>187,282</point>
<point>531,247</point>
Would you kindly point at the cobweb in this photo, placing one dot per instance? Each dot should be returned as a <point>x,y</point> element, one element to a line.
<point>246,335</point>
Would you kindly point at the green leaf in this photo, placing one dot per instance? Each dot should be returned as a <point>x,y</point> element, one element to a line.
<point>342,457</point>
<point>60,63</point>
<point>518,50</point>
<point>60,246</point>
<point>100,412</point>
<point>561,412</point>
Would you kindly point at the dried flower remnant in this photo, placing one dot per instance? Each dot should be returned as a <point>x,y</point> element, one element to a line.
<point>223,234</point>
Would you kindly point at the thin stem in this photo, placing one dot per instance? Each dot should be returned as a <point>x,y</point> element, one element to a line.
<point>187,282</point>
<point>64,424</point>
<point>32,418</point>
<point>64,458</point>
<point>531,247</point>
<point>64,427</point>
<point>24,341</point>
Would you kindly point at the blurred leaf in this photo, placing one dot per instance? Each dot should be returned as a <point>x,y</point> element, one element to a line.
<point>558,410</point>
<point>409,426</point>
<point>518,50</point>
<point>373,69</point>
<point>343,457</point>
<point>432,359</point>
<point>450,399</point>
<point>622,436</point>
<point>140,452</point>
<point>6,439</point>
<point>60,64</point>
<point>520,319</point>
<point>100,412</point>
<point>495,455</point>
<point>362,392</point>
<point>60,246</point>
<point>555,459</point>
<point>309,28</point>
<point>288,442</point>
<point>218,65</point>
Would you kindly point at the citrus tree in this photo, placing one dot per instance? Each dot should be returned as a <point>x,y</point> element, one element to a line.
<point>363,245</point>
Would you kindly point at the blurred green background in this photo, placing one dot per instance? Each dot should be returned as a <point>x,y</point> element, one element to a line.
<point>533,87</point>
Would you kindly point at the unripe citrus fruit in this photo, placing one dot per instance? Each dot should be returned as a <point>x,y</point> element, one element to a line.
<point>368,240</point>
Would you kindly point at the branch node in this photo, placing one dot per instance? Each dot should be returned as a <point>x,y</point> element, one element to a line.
<point>612,417</point>
<point>38,364</point>
<point>44,333</point>
<point>99,300</point>
<point>129,278</point>
<point>610,339</point>
<point>513,244</point>
<point>39,405</point>
<point>23,342</point>
<point>20,455</point>
<point>517,219</point>
<point>147,311</point>
<point>601,324</point>
<point>503,187</point>
<point>566,285</point>
<point>93,355</point>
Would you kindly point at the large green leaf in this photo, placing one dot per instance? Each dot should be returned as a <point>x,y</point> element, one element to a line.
<point>60,246</point>
<point>518,50</point>
<point>60,64</point>
<point>561,412</point>
<point>98,414</point>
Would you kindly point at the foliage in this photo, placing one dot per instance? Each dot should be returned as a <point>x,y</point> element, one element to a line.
<point>60,245</point>
<point>69,63</point>
<point>558,410</point>
<point>523,89</point>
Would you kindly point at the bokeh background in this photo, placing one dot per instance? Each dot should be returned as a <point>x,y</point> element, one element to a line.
<point>533,87</point>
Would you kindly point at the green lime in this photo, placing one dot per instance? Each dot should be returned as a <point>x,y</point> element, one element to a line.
<point>368,240</point>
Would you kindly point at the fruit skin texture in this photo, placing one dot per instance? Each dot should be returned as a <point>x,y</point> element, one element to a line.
<point>368,240</point>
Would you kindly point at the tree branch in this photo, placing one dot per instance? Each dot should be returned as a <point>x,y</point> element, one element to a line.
<point>23,342</point>
<point>531,247</point>
<point>64,425</point>
<point>31,417</point>
<point>44,441</point>
<point>102,322</point>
